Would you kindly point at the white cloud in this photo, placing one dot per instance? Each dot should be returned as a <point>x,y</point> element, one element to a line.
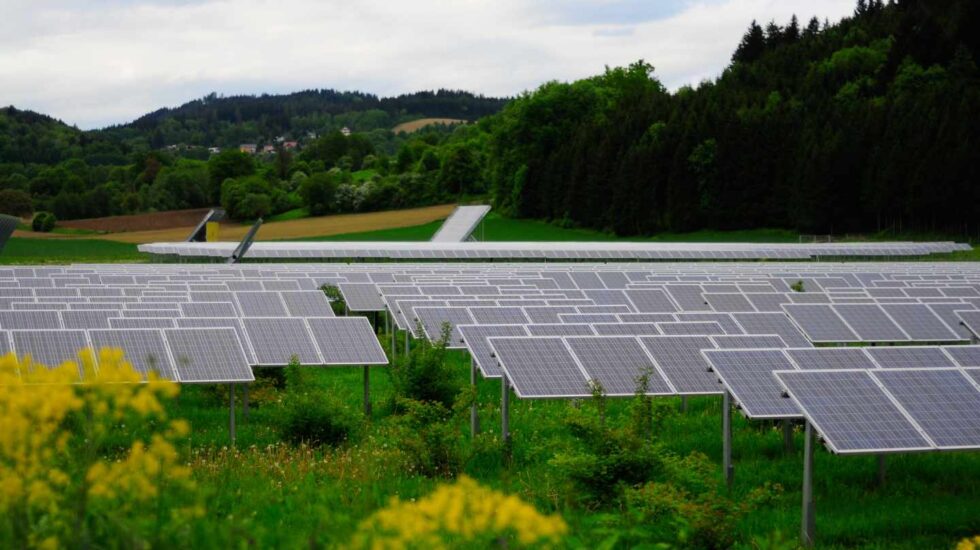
<point>105,62</point>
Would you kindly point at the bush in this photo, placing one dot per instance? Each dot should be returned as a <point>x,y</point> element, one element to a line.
<point>15,203</point>
<point>429,439</point>
<point>44,222</point>
<point>425,375</point>
<point>319,193</point>
<point>311,417</point>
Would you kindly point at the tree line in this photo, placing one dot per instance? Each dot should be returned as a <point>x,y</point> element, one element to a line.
<point>865,125</point>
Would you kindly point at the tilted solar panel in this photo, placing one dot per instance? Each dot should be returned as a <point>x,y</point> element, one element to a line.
<point>943,402</point>
<point>50,348</point>
<point>560,329</point>
<point>212,355</point>
<point>909,357</point>
<point>920,323</point>
<point>680,360</point>
<point>144,349</point>
<point>870,322</point>
<point>650,300</point>
<point>276,340</point>
<point>626,329</point>
<point>691,328</point>
<point>433,319</point>
<point>142,322</point>
<point>475,338</point>
<point>346,341</point>
<point>362,296</point>
<point>540,367</point>
<point>965,356</point>
<point>747,373</point>
<point>30,320</point>
<point>499,315</point>
<point>87,318</point>
<point>618,363</point>
<point>851,411</point>
<point>726,320</point>
<point>258,304</point>
<point>744,341</point>
<point>820,323</point>
<point>831,358</point>
<point>772,323</point>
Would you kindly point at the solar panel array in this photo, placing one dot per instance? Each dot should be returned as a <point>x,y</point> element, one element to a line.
<point>460,224</point>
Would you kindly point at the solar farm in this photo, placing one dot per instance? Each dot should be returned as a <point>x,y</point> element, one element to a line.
<point>836,358</point>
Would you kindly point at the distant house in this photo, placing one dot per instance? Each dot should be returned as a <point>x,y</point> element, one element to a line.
<point>345,130</point>
<point>269,149</point>
<point>249,148</point>
<point>290,144</point>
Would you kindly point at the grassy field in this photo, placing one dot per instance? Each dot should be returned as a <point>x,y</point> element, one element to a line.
<point>929,501</point>
<point>416,125</point>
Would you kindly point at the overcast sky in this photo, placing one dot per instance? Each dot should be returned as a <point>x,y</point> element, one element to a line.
<point>99,62</point>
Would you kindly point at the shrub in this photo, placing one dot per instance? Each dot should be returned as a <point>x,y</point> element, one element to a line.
<point>319,193</point>
<point>425,375</point>
<point>15,203</point>
<point>44,222</point>
<point>429,439</point>
<point>91,464</point>
<point>310,417</point>
<point>461,515</point>
<point>337,303</point>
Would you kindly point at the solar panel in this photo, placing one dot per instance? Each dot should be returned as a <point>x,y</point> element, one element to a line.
<point>579,318</point>
<point>540,367</point>
<point>307,303</point>
<point>870,323</point>
<point>851,411</point>
<point>276,340</point>
<point>499,315</point>
<point>607,297</point>
<point>226,322</point>
<point>943,402</point>
<point>820,323</point>
<point>969,319</point>
<point>433,319</point>
<point>144,349</point>
<point>211,355</point>
<point>259,304</point>
<point>646,317</point>
<point>346,341</point>
<point>560,329</point>
<point>87,318</point>
<point>650,300</point>
<point>5,345</point>
<point>903,357</point>
<point>726,321</point>
<point>680,360</point>
<point>692,328</point>
<point>772,323</point>
<point>947,312</point>
<point>281,285</point>
<point>617,363</point>
<point>747,373</point>
<point>920,323</point>
<point>965,356</point>
<point>547,314</point>
<point>206,309</point>
<point>142,322</point>
<point>831,358</point>
<point>460,224</point>
<point>626,329</point>
<point>362,296</point>
<point>29,320</point>
<point>743,341</point>
<point>50,348</point>
<point>475,339</point>
<point>728,302</point>
<point>688,297</point>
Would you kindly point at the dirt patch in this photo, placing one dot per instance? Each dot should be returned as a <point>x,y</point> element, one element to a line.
<point>140,222</point>
<point>415,125</point>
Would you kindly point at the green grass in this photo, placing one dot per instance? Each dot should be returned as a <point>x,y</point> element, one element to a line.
<point>413,233</point>
<point>930,500</point>
<point>294,214</point>
<point>43,251</point>
<point>363,175</point>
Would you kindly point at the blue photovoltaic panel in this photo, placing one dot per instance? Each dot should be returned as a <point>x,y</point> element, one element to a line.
<point>205,309</point>
<point>29,320</point>
<point>433,319</point>
<point>579,318</point>
<point>903,357</point>
<point>728,302</point>
<point>475,338</point>
<point>87,318</point>
<point>969,319</point>
<point>346,341</point>
<point>626,329</point>
<point>227,322</point>
<point>307,303</point>
<point>942,401</point>
<point>540,367</point>
<point>212,355</point>
<point>743,341</point>
<point>831,358</point>
<point>748,376</point>
<point>258,304</point>
<point>276,341</point>
<point>142,322</point>
<point>650,300</point>
<point>772,323</point>
<point>618,363</point>
<point>361,296</point>
<point>688,297</point>
<point>560,329</point>
<point>920,323</point>
<point>646,317</point>
<point>870,322</point>
<point>851,412</point>
<point>691,328</point>
<point>144,349</point>
<point>547,314</point>
<point>680,360</point>
<point>499,315</point>
<point>820,323</point>
<point>50,348</point>
<point>965,356</point>
<point>5,346</point>
<point>726,320</point>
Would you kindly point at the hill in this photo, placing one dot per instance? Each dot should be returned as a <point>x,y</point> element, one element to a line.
<point>416,125</point>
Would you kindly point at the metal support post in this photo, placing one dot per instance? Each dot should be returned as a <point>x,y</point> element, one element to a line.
<point>683,407</point>
<point>406,342</point>
<point>504,410</point>
<point>882,470</point>
<point>807,527</point>
<point>726,442</point>
<point>474,412</point>
<point>367,391</point>
<point>231,412</point>
<point>245,402</point>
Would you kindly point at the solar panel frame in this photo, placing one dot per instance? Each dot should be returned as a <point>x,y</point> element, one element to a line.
<point>747,376</point>
<point>358,344</point>
<point>871,323</point>
<point>276,339</point>
<point>943,403</point>
<point>902,357</point>
<point>691,328</point>
<point>772,323</point>
<point>964,356</point>
<point>475,338</point>
<point>432,319</point>
<point>680,360</point>
<point>820,323</point>
<point>610,360</point>
<point>224,358</point>
<point>134,343</point>
<point>831,358</point>
<point>541,367</point>
<point>50,347</point>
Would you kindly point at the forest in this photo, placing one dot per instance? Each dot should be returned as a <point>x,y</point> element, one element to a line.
<point>864,125</point>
